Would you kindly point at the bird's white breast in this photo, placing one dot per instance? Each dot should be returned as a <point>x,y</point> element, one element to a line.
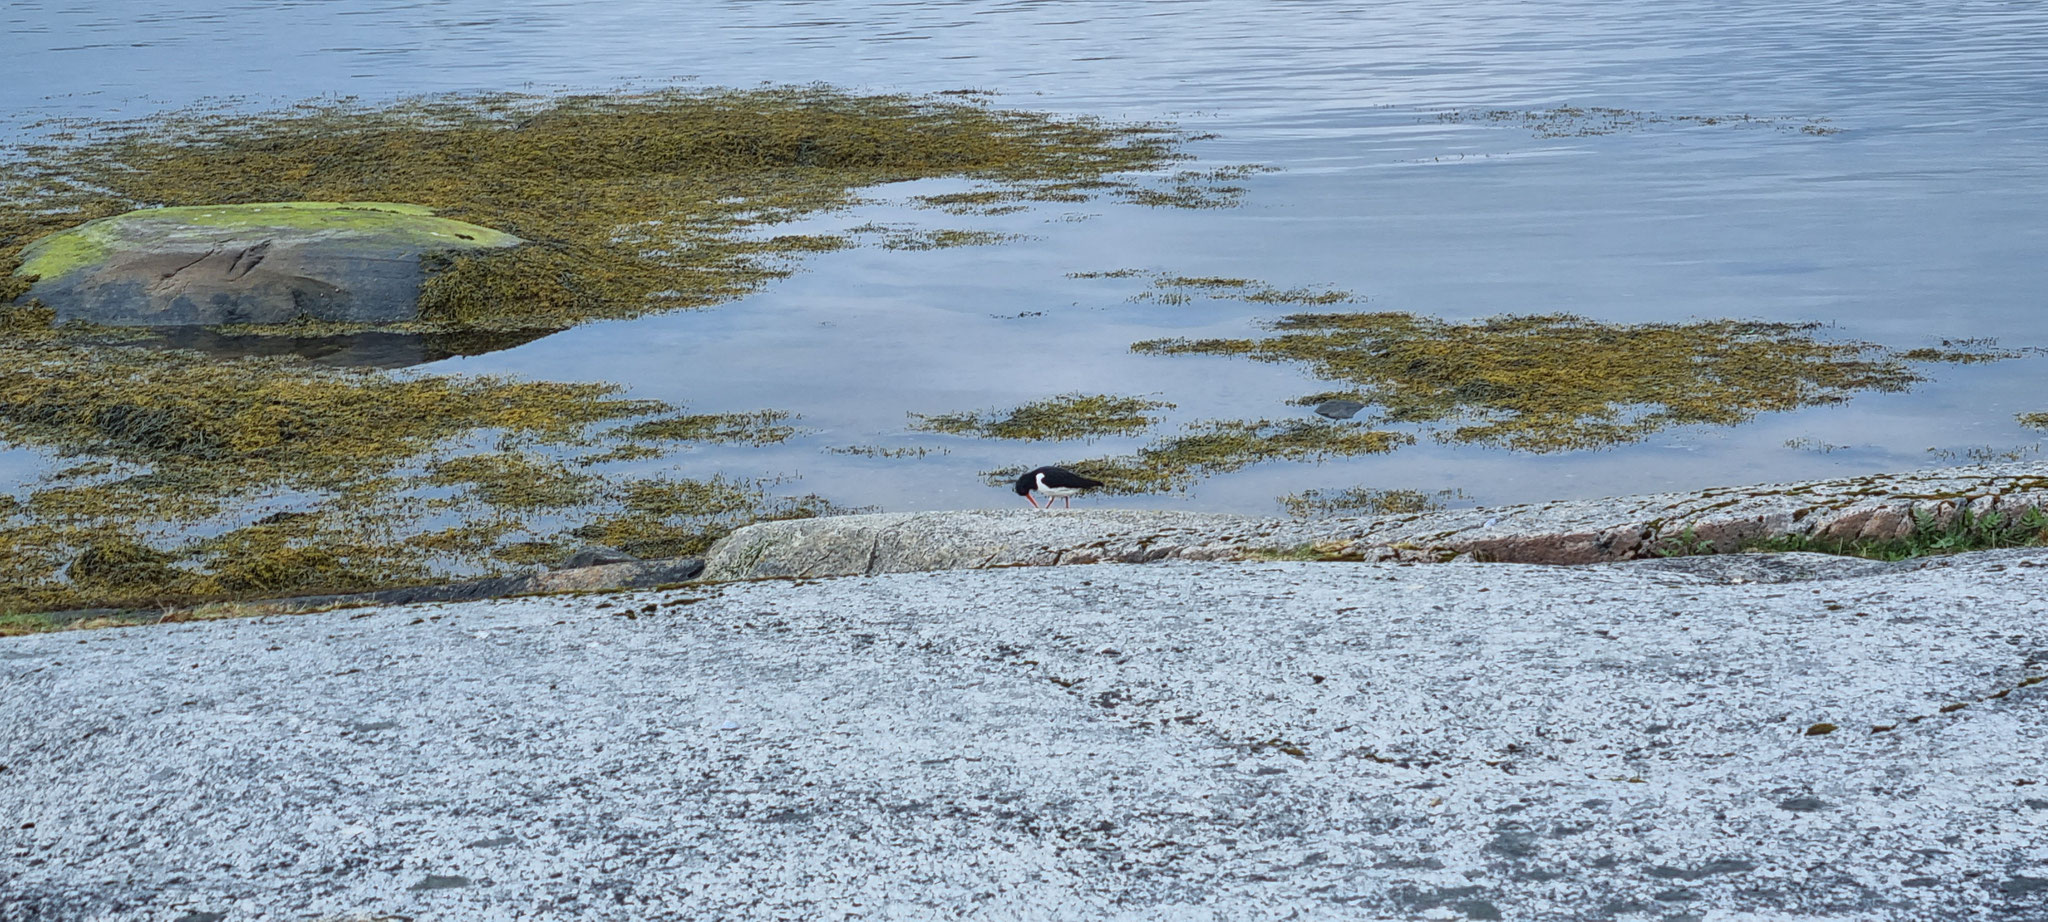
<point>1056,491</point>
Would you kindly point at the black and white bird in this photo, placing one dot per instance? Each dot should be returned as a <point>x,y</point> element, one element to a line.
<point>1053,482</point>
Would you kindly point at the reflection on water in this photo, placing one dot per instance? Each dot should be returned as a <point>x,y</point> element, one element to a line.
<point>1916,221</point>
<point>355,350</point>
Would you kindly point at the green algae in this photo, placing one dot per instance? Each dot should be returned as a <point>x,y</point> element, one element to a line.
<point>1221,446</point>
<point>627,202</point>
<point>1548,383</point>
<point>1067,416</point>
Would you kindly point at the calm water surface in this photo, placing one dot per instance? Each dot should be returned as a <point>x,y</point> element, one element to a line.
<point>1924,219</point>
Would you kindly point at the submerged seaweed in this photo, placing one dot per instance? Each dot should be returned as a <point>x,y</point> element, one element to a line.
<point>1367,501</point>
<point>1590,121</point>
<point>1067,416</point>
<point>185,478</point>
<point>1557,382</point>
<point>1169,288</point>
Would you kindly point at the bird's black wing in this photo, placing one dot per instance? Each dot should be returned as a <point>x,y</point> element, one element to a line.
<point>1066,479</point>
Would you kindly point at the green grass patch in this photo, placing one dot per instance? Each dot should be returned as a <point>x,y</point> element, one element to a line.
<point>1931,536</point>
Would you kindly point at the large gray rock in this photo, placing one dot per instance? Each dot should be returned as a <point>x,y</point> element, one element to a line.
<point>1582,531</point>
<point>273,263</point>
<point>1171,741</point>
<point>902,542</point>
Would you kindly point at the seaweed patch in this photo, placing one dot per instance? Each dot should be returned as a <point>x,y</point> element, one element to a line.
<point>183,479</point>
<point>1221,446</point>
<point>1368,501</point>
<point>628,203</point>
<point>1591,121</point>
<point>1171,288</point>
<point>1555,382</point>
<point>1067,416</point>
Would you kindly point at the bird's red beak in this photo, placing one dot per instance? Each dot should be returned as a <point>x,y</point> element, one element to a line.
<point>1033,502</point>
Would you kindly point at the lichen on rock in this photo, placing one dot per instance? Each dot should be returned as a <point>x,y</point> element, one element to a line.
<point>271,263</point>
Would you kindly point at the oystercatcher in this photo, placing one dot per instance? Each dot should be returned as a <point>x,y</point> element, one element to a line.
<point>1053,482</point>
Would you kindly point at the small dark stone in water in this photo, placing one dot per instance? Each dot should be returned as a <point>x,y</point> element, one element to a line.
<point>1820,729</point>
<point>1339,409</point>
<point>440,882</point>
<point>1919,882</point>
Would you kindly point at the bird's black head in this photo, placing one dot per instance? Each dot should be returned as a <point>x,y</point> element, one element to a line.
<point>1028,482</point>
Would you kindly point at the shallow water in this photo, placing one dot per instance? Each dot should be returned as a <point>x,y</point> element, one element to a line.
<point>1919,221</point>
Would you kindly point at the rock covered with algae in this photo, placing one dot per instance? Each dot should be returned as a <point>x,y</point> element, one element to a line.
<point>267,263</point>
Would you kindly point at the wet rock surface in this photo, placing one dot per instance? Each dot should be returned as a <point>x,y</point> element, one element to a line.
<point>340,262</point>
<point>1175,740</point>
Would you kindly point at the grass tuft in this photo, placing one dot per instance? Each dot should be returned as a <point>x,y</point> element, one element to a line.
<point>1931,536</point>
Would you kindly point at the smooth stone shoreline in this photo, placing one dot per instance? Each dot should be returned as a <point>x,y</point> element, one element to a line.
<point>1678,525</point>
<point>1644,740</point>
<point>1574,532</point>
